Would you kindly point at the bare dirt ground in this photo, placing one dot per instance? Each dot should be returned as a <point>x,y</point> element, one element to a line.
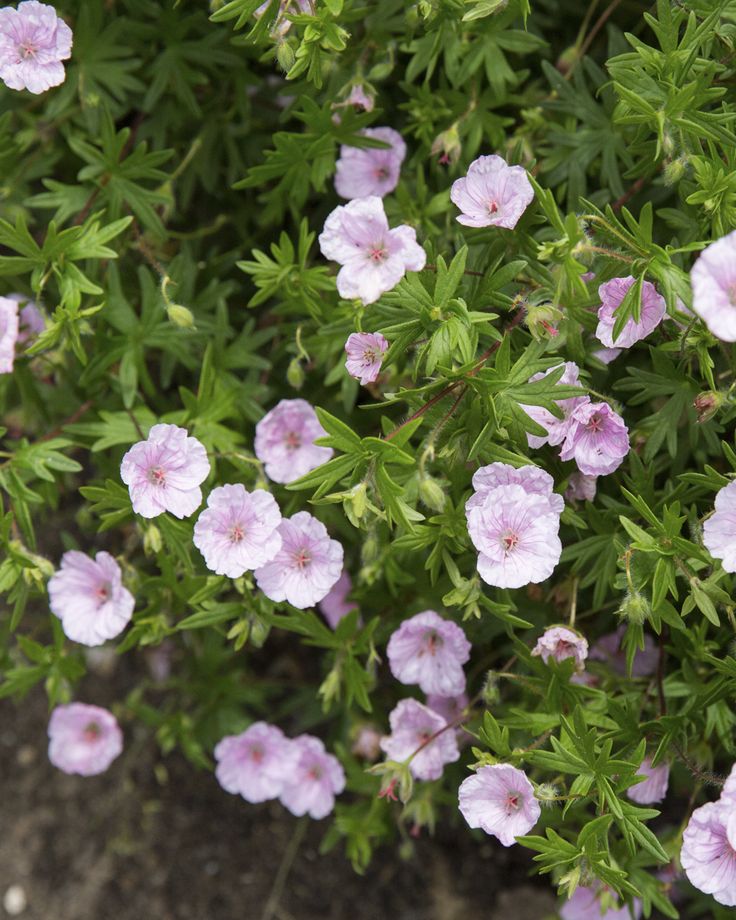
<point>155,839</point>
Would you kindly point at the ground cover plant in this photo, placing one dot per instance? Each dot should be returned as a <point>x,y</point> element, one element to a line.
<point>373,364</point>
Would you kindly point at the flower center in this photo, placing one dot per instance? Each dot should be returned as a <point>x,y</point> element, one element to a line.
<point>377,253</point>
<point>315,773</point>
<point>433,642</point>
<point>595,423</point>
<point>423,737</point>
<point>563,647</point>
<point>369,356</point>
<point>256,753</point>
<point>293,440</point>
<point>492,207</point>
<point>92,731</point>
<point>103,593</point>
<point>513,802</point>
<point>27,49</point>
<point>302,558</point>
<point>157,476</point>
<point>509,540</point>
<point>381,173</point>
<point>236,533</point>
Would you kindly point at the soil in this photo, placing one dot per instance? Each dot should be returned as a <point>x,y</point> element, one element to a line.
<point>155,839</point>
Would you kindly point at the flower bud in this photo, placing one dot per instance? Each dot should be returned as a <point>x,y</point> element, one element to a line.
<point>675,170</point>
<point>447,146</point>
<point>152,542</point>
<point>706,404</point>
<point>541,320</point>
<point>431,493</point>
<point>285,56</point>
<point>295,374</point>
<point>180,316</point>
<point>635,608</point>
<point>546,794</point>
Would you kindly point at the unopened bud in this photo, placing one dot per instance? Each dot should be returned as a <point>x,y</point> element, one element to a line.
<point>180,316</point>
<point>706,404</point>
<point>152,542</point>
<point>674,171</point>
<point>285,56</point>
<point>546,793</point>
<point>431,493</point>
<point>370,550</point>
<point>295,374</point>
<point>541,320</point>
<point>447,146</point>
<point>490,694</point>
<point>635,608</point>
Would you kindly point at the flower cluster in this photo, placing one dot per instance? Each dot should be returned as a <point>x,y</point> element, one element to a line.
<point>513,520</point>
<point>590,433</point>
<point>261,764</point>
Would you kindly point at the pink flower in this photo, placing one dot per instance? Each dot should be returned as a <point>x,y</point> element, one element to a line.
<point>559,642</point>
<point>429,651</point>
<point>314,780</point>
<point>708,853</point>
<point>597,439</point>
<point>609,649</point>
<point>164,472</point>
<point>719,531</point>
<point>373,258</point>
<point>83,739</point>
<point>612,293</point>
<point>606,355</point>
<point>365,351</point>
<point>515,533</point>
<point>88,596</point>
<point>492,194</point>
<point>557,428</point>
<point>33,43</point>
<point>532,479</point>
<point>586,904</point>
<point>500,800</point>
<point>581,487</point>
<point>713,279</point>
<point>308,564</point>
<point>335,604</point>
<point>285,439</point>
<point>654,787</point>
<point>365,171</point>
<point>31,320</point>
<point>238,530</point>
<point>8,331</point>
<point>256,762</point>
<point>412,725</point>
<point>361,98</point>
<point>449,707</point>
<point>367,744</point>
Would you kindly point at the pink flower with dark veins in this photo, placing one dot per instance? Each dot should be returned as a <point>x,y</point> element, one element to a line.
<point>164,472</point>
<point>308,564</point>
<point>612,293</point>
<point>654,787</point>
<point>83,739</point>
<point>532,479</point>
<point>557,428</point>
<point>313,781</point>
<point>88,596</point>
<point>365,351</point>
<point>597,439</point>
<point>418,730</point>
<point>500,800</point>
<point>492,194</point>
<point>374,258</point>
<point>238,530</point>
<point>256,763</point>
<point>365,171</point>
<point>430,651</point>
<point>285,439</point>
<point>560,642</point>
<point>34,41</point>
<point>713,278</point>
<point>516,535</point>
<point>708,853</point>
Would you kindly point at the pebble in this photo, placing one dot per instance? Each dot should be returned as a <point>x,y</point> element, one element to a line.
<point>15,901</point>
